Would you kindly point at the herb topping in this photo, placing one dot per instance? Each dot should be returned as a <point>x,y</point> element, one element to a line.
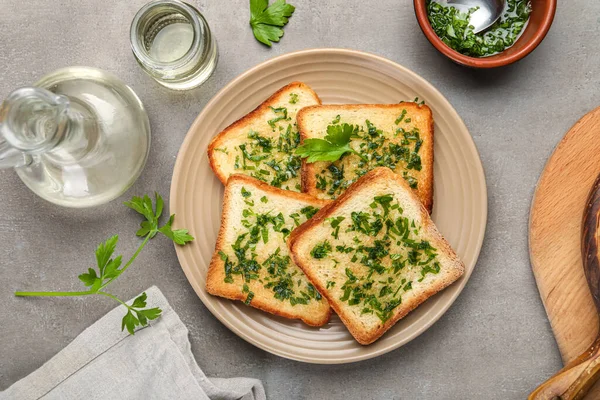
<point>272,160</point>
<point>364,148</point>
<point>386,256</point>
<point>275,271</point>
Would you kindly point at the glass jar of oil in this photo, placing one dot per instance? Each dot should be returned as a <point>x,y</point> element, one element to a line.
<point>173,44</point>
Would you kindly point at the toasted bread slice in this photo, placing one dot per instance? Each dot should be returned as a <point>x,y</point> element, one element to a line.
<point>251,262</point>
<point>375,254</point>
<point>262,143</point>
<point>397,136</point>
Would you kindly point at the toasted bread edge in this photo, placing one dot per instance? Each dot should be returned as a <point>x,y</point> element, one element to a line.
<point>361,336</point>
<point>217,288</point>
<point>216,141</point>
<point>308,173</point>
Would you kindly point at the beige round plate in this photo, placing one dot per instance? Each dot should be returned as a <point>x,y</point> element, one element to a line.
<point>338,76</point>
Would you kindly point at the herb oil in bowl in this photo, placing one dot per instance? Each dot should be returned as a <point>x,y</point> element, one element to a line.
<point>452,26</point>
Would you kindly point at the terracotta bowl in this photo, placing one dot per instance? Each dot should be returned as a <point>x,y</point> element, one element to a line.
<point>542,15</point>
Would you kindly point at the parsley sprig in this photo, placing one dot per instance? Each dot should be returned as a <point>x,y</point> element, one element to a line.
<point>267,20</point>
<point>332,147</point>
<point>109,268</point>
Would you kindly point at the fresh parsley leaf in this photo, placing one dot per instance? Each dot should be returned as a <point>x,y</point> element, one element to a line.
<point>109,268</point>
<point>159,205</point>
<point>266,21</point>
<point>90,278</point>
<point>138,313</point>
<point>129,322</point>
<point>146,227</point>
<point>321,150</point>
<point>339,134</point>
<point>105,251</point>
<point>112,268</point>
<point>331,148</point>
<point>267,33</point>
<point>143,205</point>
<point>140,301</point>
<point>148,314</point>
<point>179,236</point>
<point>135,318</point>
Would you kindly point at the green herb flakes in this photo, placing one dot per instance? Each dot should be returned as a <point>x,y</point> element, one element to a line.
<point>321,250</point>
<point>370,146</point>
<point>309,211</point>
<point>401,117</point>
<point>244,263</point>
<point>453,28</point>
<point>282,114</point>
<point>271,159</point>
<point>335,224</point>
<point>386,257</point>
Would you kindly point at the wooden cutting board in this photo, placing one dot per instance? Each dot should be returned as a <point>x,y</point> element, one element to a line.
<point>555,238</point>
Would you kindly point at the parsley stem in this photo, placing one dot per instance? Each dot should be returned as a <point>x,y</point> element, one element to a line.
<point>137,252</point>
<point>56,294</point>
<point>114,298</point>
<point>88,292</point>
<point>360,155</point>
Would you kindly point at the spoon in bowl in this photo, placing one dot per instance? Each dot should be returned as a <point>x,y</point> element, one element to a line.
<point>489,12</point>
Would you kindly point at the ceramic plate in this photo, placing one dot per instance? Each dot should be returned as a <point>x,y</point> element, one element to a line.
<point>338,76</point>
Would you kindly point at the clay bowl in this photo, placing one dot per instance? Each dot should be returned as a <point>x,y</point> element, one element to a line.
<point>541,18</point>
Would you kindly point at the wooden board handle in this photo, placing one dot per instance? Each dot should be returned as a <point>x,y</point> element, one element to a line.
<point>575,380</point>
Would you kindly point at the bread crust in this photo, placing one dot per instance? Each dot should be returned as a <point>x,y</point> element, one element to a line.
<point>256,113</point>
<point>214,284</point>
<point>363,337</point>
<point>308,173</point>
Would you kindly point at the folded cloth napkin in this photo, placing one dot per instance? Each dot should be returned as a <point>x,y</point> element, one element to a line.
<point>155,363</point>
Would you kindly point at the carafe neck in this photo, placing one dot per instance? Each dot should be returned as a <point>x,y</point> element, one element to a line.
<point>34,121</point>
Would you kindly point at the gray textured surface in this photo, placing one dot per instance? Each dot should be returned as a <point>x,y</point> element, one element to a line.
<point>495,341</point>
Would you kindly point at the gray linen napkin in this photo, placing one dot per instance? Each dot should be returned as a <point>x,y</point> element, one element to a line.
<point>105,363</point>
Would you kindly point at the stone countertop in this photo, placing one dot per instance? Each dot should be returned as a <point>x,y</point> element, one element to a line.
<point>494,342</point>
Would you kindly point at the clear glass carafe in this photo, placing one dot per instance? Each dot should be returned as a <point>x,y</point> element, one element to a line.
<point>79,138</point>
